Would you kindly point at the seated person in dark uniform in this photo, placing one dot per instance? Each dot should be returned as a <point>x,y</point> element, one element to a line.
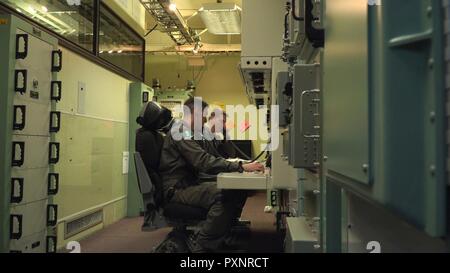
<point>216,132</point>
<point>219,144</point>
<point>183,157</point>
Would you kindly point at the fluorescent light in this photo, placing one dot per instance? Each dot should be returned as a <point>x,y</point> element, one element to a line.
<point>44,9</point>
<point>173,7</point>
<point>31,10</point>
<point>221,18</point>
<point>120,51</point>
<point>111,51</point>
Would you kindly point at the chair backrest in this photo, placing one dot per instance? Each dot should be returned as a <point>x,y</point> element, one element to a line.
<point>149,144</point>
<point>153,217</point>
<point>144,181</point>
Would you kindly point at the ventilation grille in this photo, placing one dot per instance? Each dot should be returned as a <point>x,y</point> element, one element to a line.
<point>83,223</point>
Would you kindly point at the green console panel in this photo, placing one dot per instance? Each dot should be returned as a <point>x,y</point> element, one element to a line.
<point>139,95</point>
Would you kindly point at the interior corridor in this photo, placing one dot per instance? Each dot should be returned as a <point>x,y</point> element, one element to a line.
<point>126,236</point>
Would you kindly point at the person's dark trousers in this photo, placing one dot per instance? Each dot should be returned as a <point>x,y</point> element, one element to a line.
<point>222,207</point>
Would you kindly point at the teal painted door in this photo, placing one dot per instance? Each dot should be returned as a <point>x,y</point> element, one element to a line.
<point>346,89</point>
<point>384,106</point>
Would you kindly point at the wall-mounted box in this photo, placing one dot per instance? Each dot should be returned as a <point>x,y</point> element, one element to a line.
<point>305,127</point>
<point>260,36</point>
<point>299,237</point>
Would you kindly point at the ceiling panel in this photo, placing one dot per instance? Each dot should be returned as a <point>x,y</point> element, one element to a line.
<point>193,5</point>
<point>187,8</point>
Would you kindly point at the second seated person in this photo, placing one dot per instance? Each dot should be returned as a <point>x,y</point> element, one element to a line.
<point>183,158</point>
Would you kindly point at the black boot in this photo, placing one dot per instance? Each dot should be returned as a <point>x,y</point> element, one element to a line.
<point>194,246</point>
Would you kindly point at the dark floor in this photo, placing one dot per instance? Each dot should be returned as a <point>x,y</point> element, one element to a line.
<point>126,236</point>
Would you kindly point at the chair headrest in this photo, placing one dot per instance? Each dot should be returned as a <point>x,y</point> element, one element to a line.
<point>154,116</point>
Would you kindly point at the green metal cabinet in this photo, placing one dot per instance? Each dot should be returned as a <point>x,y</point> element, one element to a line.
<point>346,112</point>
<point>384,106</point>
<point>29,91</point>
<point>139,95</point>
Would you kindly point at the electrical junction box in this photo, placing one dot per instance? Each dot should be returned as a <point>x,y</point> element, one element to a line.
<point>305,128</point>
<point>300,237</point>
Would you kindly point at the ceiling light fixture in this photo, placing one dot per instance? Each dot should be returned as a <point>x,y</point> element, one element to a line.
<point>221,18</point>
<point>173,7</point>
<point>31,10</point>
<point>197,48</point>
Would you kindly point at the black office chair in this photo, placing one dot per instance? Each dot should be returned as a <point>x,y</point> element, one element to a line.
<point>149,141</point>
<point>182,218</point>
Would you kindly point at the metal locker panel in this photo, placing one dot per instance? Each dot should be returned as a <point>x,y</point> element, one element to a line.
<point>35,100</point>
<point>38,64</point>
<point>34,217</point>
<point>36,151</point>
<point>37,48</point>
<point>35,184</point>
<point>346,89</point>
<point>28,56</point>
<point>37,118</point>
<point>38,85</point>
<point>35,243</point>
